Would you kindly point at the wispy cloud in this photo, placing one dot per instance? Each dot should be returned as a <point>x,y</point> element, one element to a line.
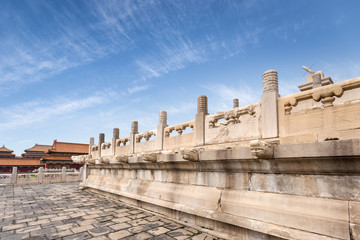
<point>170,59</point>
<point>37,111</point>
<point>137,88</point>
<point>88,31</point>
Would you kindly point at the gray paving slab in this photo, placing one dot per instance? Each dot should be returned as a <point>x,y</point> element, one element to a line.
<point>61,211</point>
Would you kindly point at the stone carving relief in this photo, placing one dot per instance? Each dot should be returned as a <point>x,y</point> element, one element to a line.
<point>190,154</point>
<point>261,149</point>
<point>122,141</point>
<point>106,145</point>
<point>289,104</point>
<point>146,135</point>
<point>150,157</point>
<point>326,95</point>
<point>270,81</point>
<point>134,127</point>
<point>95,148</point>
<point>123,158</point>
<point>90,161</point>
<point>80,159</point>
<point>104,160</point>
<point>231,116</point>
<point>163,117</point>
<point>202,105</point>
<point>178,128</point>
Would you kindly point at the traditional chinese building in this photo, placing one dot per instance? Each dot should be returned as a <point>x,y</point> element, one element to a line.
<point>59,155</point>
<point>6,153</point>
<point>8,160</point>
<point>36,152</point>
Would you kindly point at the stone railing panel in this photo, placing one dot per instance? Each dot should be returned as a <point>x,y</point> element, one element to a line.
<point>73,177</point>
<point>94,151</point>
<point>122,146</point>
<point>5,178</point>
<point>106,149</point>
<point>52,178</point>
<point>147,145</point>
<point>328,112</point>
<point>179,128</point>
<point>240,123</point>
<point>181,139</point>
<point>27,179</point>
<point>145,135</point>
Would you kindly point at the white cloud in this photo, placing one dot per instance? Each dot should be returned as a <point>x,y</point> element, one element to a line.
<point>37,111</point>
<point>136,89</point>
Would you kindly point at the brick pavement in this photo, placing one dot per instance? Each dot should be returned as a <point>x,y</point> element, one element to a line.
<point>61,211</point>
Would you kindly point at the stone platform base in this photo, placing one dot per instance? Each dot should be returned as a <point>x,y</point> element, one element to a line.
<point>219,229</point>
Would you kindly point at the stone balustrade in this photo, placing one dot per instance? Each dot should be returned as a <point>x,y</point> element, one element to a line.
<point>283,168</point>
<point>42,176</point>
<point>122,141</point>
<point>179,128</point>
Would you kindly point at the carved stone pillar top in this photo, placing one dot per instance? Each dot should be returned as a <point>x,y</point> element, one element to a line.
<point>116,133</point>
<point>134,127</point>
<point>101,138</point>
<point>92,141</point>
<point>202,104</point>
<point>270,81</point>
<point>235,103</point>
<point>163,117</point>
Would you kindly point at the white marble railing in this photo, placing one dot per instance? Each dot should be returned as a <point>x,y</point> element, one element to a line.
<point>41,177</point>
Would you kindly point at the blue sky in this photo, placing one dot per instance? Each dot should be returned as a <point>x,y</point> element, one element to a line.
<point>72,69</point>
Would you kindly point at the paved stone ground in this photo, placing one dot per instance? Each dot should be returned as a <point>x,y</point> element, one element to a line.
<point>61,211</point>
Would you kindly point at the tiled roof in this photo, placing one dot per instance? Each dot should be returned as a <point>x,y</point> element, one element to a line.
<point>38,148</point>
<point>20,162</point>
<point>65,147</point>
<point>4,149</point>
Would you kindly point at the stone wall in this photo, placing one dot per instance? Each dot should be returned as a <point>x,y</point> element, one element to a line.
<point>285,168</point>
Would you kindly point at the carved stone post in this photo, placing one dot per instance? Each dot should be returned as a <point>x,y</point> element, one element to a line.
<point>235,103</point>
<point>269,104</point>
<point>92,142</point>
<point>116,133</point>
<point>63,174</point>
<point>14,175</point>
<point>134,131</point>
<point>40,175</point>
<point>316,80</point>
<point>101,140</point>
<point>159,140</point>
<point>202,111</point>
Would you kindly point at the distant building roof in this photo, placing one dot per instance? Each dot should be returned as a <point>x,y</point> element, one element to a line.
<point>4,149</point>
<point>20,162</point>
<point>38,148</point>
<point>65,147</point>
